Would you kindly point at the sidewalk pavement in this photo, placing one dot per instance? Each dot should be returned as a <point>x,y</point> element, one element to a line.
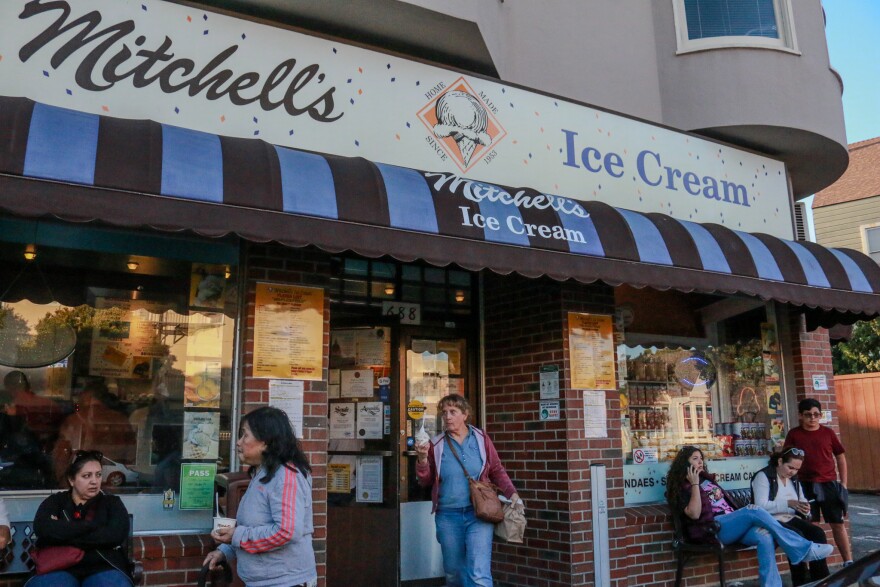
<point>864,518</point>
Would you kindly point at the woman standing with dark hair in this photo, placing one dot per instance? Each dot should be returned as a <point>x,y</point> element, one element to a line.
<point>709,518</point>
<point>465,540</point>
<point>88,519</point>
<point>272,538</point>
<point>776,489</point>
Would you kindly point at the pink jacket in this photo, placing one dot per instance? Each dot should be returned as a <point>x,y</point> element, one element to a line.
<point>428,473</point>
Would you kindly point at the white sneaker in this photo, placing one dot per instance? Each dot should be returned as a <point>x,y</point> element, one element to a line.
<point>818,552</point>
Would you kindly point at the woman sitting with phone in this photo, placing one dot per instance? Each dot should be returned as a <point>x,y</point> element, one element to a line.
<point>709,518</point>
<point>776,489</point>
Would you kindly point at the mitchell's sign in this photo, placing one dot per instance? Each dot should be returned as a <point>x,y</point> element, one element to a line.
<point>184,66</point>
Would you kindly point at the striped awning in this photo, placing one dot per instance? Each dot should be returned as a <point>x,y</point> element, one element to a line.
<point>84,167</point>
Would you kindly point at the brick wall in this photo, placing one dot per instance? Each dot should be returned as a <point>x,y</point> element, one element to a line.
<point>311,268</point>
<point>549,462</point>
<point>812,356</point>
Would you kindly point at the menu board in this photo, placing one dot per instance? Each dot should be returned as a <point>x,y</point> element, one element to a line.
<point>591,350</point>
<point>288,332</point>
<point>124,338</point>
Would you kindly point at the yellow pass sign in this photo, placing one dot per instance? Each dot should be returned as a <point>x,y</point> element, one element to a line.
<point>415,409</point>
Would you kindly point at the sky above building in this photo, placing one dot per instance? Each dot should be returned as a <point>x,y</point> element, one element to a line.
<point>852,27</point>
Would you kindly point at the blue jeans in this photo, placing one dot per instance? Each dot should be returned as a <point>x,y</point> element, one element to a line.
<point>746,526</point>
<point>111,578</point>
<point>466,543</point>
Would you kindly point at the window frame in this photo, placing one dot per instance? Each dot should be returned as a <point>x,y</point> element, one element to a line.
<point>787,41</point>
<point>863,230</point>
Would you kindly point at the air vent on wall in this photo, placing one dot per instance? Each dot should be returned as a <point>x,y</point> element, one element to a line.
<point>800,221</point>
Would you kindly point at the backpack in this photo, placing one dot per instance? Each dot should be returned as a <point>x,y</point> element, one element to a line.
<point>770,472</point>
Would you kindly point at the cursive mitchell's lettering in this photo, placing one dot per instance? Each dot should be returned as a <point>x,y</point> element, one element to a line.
<point>286,86</point>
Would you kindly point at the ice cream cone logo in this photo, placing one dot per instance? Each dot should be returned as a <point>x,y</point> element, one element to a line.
<point>462,123</point>
<point>464,118</point>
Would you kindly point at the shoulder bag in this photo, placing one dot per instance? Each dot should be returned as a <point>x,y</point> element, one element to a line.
<point>484,495</point>
<point>48,559</point>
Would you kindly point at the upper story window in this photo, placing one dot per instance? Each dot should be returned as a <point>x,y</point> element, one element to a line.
<point>715,24</point>
<point>872,242</point>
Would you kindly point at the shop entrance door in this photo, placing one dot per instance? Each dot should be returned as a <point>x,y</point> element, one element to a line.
<point>384,385</point>
<point>362,469</point>
<point>432,365</point>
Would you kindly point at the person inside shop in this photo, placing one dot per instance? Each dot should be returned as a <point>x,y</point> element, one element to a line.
<point>465,540</point>
<point>824,473</point>
<point>86,518</point>
<point>709,518</point>
<point>272,536</point>
<point>22,462</point>
<point>5,532</point>
<point>167,446</point>
<point>776,489</point>
<point>96,424</point>
<point>41,414</point>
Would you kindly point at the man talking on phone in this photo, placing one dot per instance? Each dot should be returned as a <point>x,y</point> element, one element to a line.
<point>823,473</point>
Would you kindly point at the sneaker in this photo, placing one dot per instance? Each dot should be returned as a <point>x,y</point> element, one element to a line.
<point>818,552</point>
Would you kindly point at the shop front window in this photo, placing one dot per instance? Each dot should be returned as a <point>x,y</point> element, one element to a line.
<point>721,394</point>
<point>129,355</point>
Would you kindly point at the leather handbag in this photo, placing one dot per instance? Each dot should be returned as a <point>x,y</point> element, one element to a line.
<point>49,559</point>
<point>484,495</point>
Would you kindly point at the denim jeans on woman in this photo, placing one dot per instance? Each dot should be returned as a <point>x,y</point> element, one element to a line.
<point>110,578</point>
<point>466,543</point>
<point>756,527</point>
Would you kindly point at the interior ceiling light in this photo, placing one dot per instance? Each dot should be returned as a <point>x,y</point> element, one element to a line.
<point>389,289</point>
<point>132,265</point>
<point>228,272</point>
<point>30,252</point>
<point>459,296</point>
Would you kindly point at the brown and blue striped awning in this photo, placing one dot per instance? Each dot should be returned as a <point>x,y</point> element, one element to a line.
<point>83,167</point>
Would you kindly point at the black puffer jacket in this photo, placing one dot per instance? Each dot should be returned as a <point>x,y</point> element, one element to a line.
<point>99,526</point>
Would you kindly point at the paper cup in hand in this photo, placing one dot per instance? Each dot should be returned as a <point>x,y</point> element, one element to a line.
<point>220,522</point>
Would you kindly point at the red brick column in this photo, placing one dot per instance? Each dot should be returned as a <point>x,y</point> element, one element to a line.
<point>526,327</point>
<point>812,355</point>
<point>309,268</point>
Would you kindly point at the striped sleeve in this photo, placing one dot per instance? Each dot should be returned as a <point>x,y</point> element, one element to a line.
<point>282,501</point>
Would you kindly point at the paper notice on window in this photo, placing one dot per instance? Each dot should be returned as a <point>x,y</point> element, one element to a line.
<point>591,347</point>
<point>356,383</point>
<point>288,332</point>
<point>595,414</point>
<point>339,476</point>
<point>201,435</point>
<point>342,420</point>
<point>374,346</point>
<point>369,420</point>
<point>369,479</point>
<point>287,395</point>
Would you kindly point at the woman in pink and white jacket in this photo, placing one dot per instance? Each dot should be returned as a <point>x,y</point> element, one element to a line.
<point>466,541</point>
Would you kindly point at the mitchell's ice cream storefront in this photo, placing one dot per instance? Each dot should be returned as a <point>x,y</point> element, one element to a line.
<point>203,214</point>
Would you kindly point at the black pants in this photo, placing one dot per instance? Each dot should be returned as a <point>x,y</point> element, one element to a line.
<point>813,533</point>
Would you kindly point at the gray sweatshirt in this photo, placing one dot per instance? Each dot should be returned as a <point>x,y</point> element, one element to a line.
<point>273,532</point>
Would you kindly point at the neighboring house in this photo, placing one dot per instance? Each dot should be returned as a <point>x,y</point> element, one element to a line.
<point>847,213</point>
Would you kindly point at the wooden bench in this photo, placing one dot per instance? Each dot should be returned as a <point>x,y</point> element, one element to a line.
<point>16,557</point>
<point>684,550</point>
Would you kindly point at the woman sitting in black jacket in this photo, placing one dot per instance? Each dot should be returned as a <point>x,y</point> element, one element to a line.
<point>88,519</point>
